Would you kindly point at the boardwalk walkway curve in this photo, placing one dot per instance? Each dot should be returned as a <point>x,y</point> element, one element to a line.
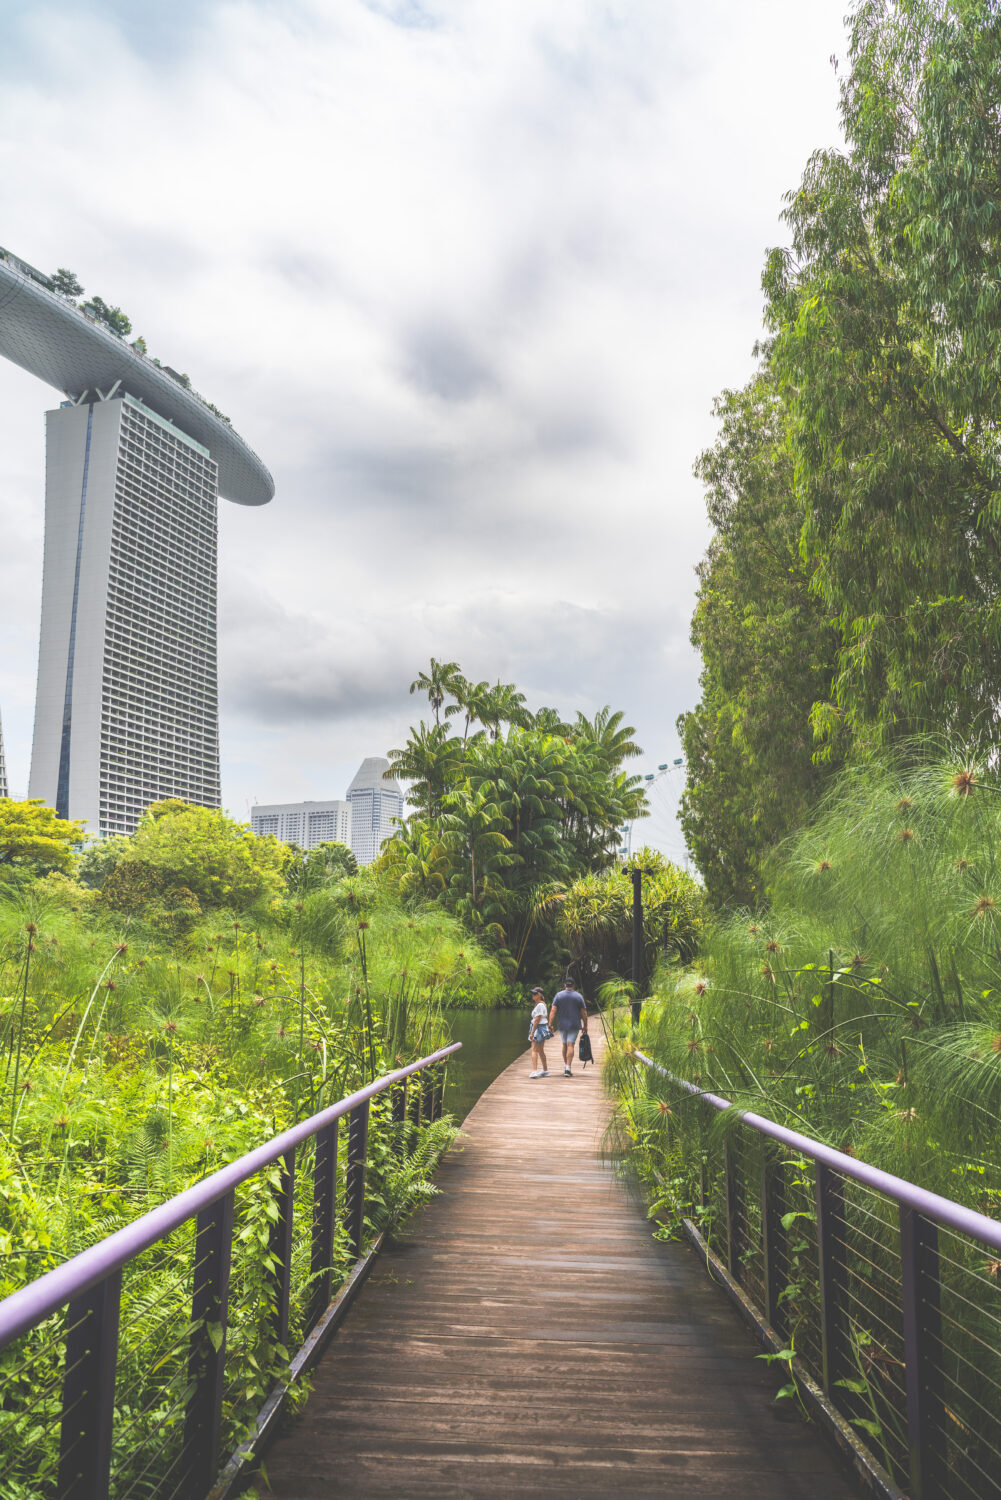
<point>527,1335</point>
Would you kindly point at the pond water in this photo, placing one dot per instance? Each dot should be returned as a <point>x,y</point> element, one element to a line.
<point>491,1039</point>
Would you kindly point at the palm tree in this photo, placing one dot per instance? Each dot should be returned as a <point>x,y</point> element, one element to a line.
<point>431,760</point>
<point>473,827</point>
<point>608,734</point>
<point>443,679</point>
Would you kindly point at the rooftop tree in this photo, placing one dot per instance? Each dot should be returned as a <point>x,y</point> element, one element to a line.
<point>66,283</point>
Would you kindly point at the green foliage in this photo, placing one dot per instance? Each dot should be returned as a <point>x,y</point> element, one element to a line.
<point>768,652</point>
<point>99,858</point>
<point>33,836</point>
<point>504,814</point>
<point>202,850</point>
<point>310,870</point>
<point>66,283</point>
<point>593,917</point>
<point>862,466</point>
<point>142,1047</point>
<point>865,1004</point>
<point>112,317</point>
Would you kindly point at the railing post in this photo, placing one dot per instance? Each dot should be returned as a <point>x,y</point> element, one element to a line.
<point>772,1209</point>
<point>415,1100</point>
<point>357,1153</point>
<point>324,1209</point>
<point>921,1289</point>
<point>438,1091</point>
<point>831,1262</point>
<point>207,1360</point>
<point>89,1392</point>
<point>734,1227</point>
<point>281,1247</point>
<point>399,1115</point>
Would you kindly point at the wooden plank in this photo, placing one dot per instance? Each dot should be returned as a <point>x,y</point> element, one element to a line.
<point>527,1333</point>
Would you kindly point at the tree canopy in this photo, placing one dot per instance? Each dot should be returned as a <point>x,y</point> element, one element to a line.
<point>506,805</point>
<point>66,283</point>
<point>111,317</point>
<point>850,595</point>
<point>34,836</point>
<point>219,860</point>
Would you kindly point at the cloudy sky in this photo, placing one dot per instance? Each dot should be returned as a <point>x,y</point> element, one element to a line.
<point>467,274</point>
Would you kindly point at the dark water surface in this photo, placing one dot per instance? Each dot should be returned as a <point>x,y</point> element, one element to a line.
<point>491,1039</point>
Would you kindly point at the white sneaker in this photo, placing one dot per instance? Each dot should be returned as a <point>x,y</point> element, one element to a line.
<point>544,1073</point>
<point>535,1075</point>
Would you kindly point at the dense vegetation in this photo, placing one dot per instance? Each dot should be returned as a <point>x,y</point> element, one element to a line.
<point>167,1002</point>
<point>510,808</point>
<point>192,992</point>
<point>865,1004</point>
<point>849,597</point>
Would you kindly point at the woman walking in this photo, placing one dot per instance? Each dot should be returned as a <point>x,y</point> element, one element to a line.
<point>538,1034</point>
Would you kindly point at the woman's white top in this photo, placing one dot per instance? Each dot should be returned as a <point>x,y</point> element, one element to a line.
<point>540,1010</point>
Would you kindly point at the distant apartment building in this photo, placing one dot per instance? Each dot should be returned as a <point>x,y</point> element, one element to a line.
<point>376,804</point>
<point>363,821</point>
<point>3,767</point>
<point>304,823</point>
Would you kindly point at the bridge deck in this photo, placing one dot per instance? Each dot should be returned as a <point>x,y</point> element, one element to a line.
<point>529,1335</point>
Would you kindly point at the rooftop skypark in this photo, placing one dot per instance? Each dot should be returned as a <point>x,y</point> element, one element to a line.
<point>79,353</point>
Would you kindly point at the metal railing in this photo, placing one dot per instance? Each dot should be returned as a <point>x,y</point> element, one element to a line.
<point>887,1295</point>
<point>132,1368</point>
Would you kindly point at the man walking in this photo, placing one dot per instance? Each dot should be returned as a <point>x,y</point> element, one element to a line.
<point>568,1016</point>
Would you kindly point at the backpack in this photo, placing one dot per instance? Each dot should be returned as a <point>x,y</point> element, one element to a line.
<point>584,1049</point>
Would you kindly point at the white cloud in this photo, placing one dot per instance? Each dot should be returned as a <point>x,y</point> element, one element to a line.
<point>467,276</point>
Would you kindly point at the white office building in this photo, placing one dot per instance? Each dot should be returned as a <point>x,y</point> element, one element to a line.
<point>376,804</point>
<point>304,823</point>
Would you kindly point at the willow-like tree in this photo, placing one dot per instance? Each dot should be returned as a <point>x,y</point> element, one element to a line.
<point>886,313</point>
<point>768,649</point>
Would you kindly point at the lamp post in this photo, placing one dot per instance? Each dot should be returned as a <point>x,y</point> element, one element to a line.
<point>638,974</point>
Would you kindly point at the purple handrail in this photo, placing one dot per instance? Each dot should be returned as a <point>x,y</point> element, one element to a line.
<point>39,1299</point>
<point>943,1210</point>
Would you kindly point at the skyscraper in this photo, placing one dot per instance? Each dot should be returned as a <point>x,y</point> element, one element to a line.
<point>304,823</point>
<point>3,767</point>
<point>375,805</point>
<point>127,704</point>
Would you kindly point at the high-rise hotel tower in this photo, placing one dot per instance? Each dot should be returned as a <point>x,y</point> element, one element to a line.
<point>127,703</point>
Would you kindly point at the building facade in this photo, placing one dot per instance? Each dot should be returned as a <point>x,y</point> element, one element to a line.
<point>126,710</point>
<point>304,823</point>
<point>4,789</point>
<point>376,805</point>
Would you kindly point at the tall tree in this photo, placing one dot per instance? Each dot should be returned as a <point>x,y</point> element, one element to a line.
<point>886,315</point>
<point>768,650</point>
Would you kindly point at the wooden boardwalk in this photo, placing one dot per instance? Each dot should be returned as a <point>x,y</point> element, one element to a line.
<point>528,1335</point>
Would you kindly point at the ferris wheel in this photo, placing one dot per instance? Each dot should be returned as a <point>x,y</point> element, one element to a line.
<point>660,829</point>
